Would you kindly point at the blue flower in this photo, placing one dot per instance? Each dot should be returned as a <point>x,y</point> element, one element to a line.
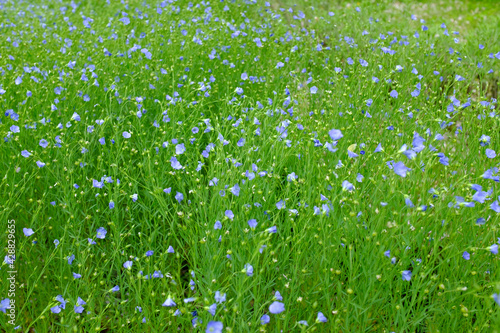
<point>406,275</point>
<point>335,134</point>
<point>495,206</point>
<point>346,186</point>
<point>480,196</point>
<point>214,327</point>
<point>101,233</point>
<point>175,164</point>
<point>235,190</point>
<point>276,307</point>
<point>252,223</point>
<point>321,318</point>
<point>490,153</point>
<point>4,305</point>
<point>484,140</point>
<point>212,309</point>
<point>379,148</point>
<point>220,298</point>
<point>400,169</point>
<point>180,149</point>
<point>28,232</point>
<point>394,94</point>
<point>61,300</point>
<point>496,297</point>
<point>56,309</point>
<point>229,214</point>
<point>169,302</point>
<point>272,230</point>
<point>359,178</point>
<point>265,319</point>
<point>248,269</point>
<point>466,255</point>
<point>78,307</point>
<point>128,264</point>
<point>280,204</point>
<point>351,154</point>
<point>125,20</point>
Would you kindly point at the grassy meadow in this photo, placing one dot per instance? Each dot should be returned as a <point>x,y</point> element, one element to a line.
<point>249,166</point>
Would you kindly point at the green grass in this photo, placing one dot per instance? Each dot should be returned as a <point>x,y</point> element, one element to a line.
<point>329,252</point>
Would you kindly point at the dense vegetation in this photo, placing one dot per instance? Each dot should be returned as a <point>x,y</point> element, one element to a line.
<point>250,166</point>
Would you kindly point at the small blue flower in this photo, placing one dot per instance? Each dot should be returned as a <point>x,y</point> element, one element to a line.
<point>101,233</point>
<point>4,305</point>
<point>272,230</point>
<point>229,214</point>
<point>496,297</point>
<point>28,232</point>
<point>400,169</point>
<point>276,307</point>
<point>335,134</point>
<point>212,309</point>
<point>220,298</point>
<point>406,275</point>
<point>248,269</point>
<point>490,153</point>
<point>321,318</point>
<point>252,223</point>
<point>281,204</point>
<point>214,327</point>
<point>169,302</point>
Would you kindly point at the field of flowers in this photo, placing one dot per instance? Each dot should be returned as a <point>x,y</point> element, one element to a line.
<point>245,166</point>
